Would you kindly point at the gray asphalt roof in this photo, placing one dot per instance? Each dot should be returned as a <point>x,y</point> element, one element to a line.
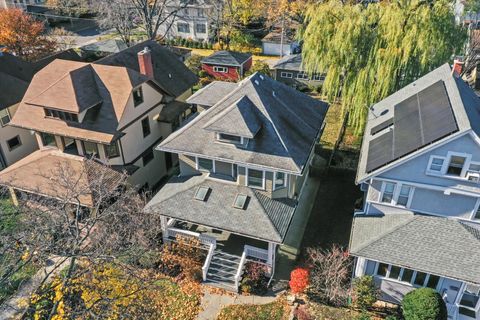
<point>240,119</point>
<point>169,73</point>
<point>464,104</point>
<point>262,217</point>
<point>437,245</point>
<point>212,93</point>
<point>229,58</point>
<point>290,124</point>
<point>110,45</point>
<point>291,62</point>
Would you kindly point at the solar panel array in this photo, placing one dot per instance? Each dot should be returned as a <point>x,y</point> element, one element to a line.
<point>417,121</point>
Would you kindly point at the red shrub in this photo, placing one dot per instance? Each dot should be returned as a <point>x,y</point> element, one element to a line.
<point>298,280</point>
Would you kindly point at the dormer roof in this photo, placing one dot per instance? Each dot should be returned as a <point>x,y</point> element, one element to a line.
<point>428,111</point>
<point>290,126</point>
<point>239,119</point>
<point>75,91</point>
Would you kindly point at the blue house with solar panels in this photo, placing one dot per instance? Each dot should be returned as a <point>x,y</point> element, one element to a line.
<point>420,172</point>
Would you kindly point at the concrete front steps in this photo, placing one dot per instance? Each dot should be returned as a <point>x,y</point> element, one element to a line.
<point>222,270</point>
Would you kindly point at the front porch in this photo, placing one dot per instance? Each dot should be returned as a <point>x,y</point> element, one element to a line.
<point>227,252</point>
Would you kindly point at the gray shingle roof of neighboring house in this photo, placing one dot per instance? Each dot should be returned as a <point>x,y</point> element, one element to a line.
<point>437,245</point>
<point>290,126</point>
<point>240,119</point>
<point>110,45</point>
<point>227,58</point>
<point>460,113</point>
<point>291,62</point>
<point>212,93</point>
<point>169,73</point>
<point>262,217</point>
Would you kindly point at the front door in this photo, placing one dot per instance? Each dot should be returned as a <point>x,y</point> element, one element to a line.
<point>470,302</point>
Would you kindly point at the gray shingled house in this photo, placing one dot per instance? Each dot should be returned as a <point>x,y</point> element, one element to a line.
<point>289,70</point>
<point>243,164</point>
<point>420,170</point>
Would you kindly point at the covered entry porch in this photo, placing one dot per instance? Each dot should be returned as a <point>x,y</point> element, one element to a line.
<point>227,252</point>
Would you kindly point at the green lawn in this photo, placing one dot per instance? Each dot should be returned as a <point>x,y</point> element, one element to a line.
<point>276,310</point>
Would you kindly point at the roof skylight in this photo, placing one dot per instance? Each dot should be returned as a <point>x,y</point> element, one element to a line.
<point>240,201</point>
<point>201,193</point>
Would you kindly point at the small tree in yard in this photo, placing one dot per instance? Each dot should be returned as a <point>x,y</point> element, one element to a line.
<point>259,66</point>
<point>298,280</point>
<point>365,292</point>
<point>424,304</point>
<point>329,275</point>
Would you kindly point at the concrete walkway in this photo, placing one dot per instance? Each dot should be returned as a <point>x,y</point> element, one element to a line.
<point>16,306</point>
<point>213,303</point>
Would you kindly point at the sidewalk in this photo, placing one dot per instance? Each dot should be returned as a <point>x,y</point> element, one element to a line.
<point>213,303</point>
<point>15,307</point>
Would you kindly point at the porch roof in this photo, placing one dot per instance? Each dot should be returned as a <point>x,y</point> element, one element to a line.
<point>262,217</point>
<point>441,246</point>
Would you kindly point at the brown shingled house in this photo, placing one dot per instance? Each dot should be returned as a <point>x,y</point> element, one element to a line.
<point>110,110</point>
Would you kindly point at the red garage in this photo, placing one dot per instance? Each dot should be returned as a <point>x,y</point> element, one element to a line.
<point>227,65</point>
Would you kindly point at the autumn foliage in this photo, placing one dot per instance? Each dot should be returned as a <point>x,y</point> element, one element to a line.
<point>23,35</point>
<point>183,257</point>
<point>298,280</point>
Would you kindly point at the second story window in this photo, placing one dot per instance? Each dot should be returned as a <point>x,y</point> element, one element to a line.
<point>48,140</point>
<point>56,114</point>
<point>146,127</point>
<point>183,27</point>
<point>112,150</point>
<point>228,138</point>
<point>205,165</point>
<point>4,117</point>
<point>280,180</point>
<point>137,96</point>
<point>255,178</point>
<point>396,194</point>
<point>90,149</point>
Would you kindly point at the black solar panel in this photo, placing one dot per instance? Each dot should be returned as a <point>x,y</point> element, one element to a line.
<point>379,127</point>
<point>418,121</point>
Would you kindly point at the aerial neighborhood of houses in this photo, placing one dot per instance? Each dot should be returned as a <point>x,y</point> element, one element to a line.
<point>260,180</point>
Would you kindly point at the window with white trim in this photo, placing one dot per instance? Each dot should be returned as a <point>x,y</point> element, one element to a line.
<point>397,194</point>
<point>205,165</point>
<point>4,117</point>
<point>280,180</point>
<point>286,75</point>
<point>455,165</point>
<point>220,69</point>
<point>469,303</point>
<point>302,75</point>
<point>409,276</point>
<point>255,178</point>
<point>436,164</point>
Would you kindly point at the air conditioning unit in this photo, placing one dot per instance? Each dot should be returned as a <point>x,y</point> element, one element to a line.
<point>473,176</point>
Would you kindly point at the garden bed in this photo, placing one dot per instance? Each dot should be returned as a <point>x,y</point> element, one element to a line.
<point>277,310</point>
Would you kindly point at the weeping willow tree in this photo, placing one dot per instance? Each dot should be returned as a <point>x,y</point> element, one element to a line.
<point>370,51</point>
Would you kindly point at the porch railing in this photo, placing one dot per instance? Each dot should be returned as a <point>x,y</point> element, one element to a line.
<point>238,275</point>
<point>257,253</point>
<point>204,239</point>
<point>206,265</point>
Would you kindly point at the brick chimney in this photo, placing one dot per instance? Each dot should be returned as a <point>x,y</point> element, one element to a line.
<point>145,62</point>
<point>457,67</point>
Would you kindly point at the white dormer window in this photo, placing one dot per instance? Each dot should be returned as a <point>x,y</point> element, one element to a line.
<point>455,165</point>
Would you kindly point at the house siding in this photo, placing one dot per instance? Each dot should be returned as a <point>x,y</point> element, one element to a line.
<point>294,81</point>
<point>437,202</point>
<point>187,165</point>
<point>273,49</point>
<point>231,74</point>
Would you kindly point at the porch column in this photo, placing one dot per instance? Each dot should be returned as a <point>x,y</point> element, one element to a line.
<point>359,267</point>
<point>271,256</point>
<point>164,226</point>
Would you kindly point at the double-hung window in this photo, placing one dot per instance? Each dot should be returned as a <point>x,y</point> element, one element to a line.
<point>205,165</point>
<point>398,194</point>
<point>280,180</point>
<point>255,178</point>
<point>436,164</point>
<point>183,27</point>
<point>455,165</point>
